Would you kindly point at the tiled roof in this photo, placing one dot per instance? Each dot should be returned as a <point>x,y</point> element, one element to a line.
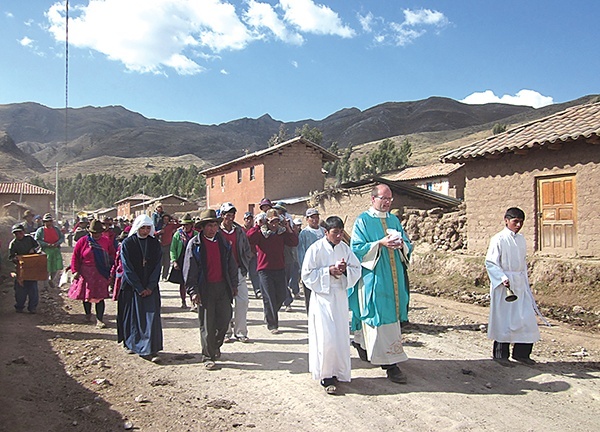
<point>327,155</point>
<point>423,172</point>
<point>138,197</point>
<point>23,188</point>
<point>567,125</point>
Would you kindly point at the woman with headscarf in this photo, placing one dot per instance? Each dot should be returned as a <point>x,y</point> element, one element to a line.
<point>139,297</point>
<point>90,263</point>
<point>50,237</point>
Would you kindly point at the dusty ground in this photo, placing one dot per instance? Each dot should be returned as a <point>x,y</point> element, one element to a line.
<point>58,374</point>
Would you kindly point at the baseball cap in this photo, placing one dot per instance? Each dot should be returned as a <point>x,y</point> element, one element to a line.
<point>297,221</point>
<point>311,212</point>
<point>227,207</point>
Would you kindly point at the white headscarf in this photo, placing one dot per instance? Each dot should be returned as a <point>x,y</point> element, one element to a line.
<point>140,221</point>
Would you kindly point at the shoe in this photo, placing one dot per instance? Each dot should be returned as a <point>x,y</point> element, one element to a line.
<point>362,353</point>
<point>243,339</point>
<point>503,362</point>
<point>258,295</point>
<point>194,309</point>
<point>230,339</point>
<point>184,305</point>
<point>32,311</point>
<point>274,331</point>
<point>395,375</point>
<point>329,385</point>
<point>155,358</point>
<point>128,351</point>
<point>288,309</point>
<point>100,324</point>
<point>297,296</point>
<point>210,365</point>
<point>525,360</point>
<point>19,310</point>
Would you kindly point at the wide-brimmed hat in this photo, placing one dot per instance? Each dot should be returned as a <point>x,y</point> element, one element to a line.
<point>186,219</point>
<point>208,215</point>
<point>47,217</point>
<point>28,213</point>
<point>96,226</point>
<point>264,202</point>
<point>18,227</point>
<point>311,212</point>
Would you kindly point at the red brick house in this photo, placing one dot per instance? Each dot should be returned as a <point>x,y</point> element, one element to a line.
<point>124,206</point>
<point>551,169</point>
<point>290,169</point>
<point>34,197</point>
<point>444,178</point>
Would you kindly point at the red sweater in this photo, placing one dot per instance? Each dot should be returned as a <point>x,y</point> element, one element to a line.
<point>270,250</point>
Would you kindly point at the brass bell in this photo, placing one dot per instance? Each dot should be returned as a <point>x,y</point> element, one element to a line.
<point>510,295</point>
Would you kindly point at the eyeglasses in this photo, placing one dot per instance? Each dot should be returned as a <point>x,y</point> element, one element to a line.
<point>388,199</point>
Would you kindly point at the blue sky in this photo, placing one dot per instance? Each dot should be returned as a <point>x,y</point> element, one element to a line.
<point>212,61</point>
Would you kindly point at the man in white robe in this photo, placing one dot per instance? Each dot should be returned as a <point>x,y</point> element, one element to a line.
<point>511,321</point>
<point>328,270</point>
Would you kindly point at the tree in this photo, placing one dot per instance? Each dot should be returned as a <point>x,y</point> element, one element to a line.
<point>498,128</point>
<point>279,137</point>
<point>312,134</point>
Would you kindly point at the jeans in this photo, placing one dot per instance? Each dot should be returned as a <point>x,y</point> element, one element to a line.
<point>292,277</point>
<point>274,290</point>
<point>22,292</point>
<point>254,276</point>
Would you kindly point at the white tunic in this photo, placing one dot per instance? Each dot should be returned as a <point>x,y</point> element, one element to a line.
<point>328,319</point>
<point>513,322</point>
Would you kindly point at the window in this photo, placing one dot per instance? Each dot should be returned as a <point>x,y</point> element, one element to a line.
<point>239,176</point>
<point>212,182</point>
<point>222,181</point>
<point>252,174</point>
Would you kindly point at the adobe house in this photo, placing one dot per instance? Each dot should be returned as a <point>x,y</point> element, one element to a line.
<point>34,197</point>
<point>551,169</point>
<point>290,169</point>
<point>353,198</point>
<point>444,178</point>
<point>171,204</point>
<point>124,205</point>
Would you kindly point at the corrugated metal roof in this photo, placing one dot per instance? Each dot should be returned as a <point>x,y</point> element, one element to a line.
<point>423,172</point>
<point>327,155</point>
<point>567,125</point>
<point>23,188</point>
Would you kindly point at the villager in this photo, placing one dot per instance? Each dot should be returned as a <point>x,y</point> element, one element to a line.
<point>80,229</point>
<point>270,237</point>
<point>265,204</point>
<point>310,234</point>
<point>116,280</point>
<point>50,237</point>
<point>165,237</point>
<point>511,320</point>
<point>330,268</point>
<point>26,290</point>
<point>249,223</point>
<point>211,278</point>
<point>91,262</point>
<point>139,296</point>
<point>179,243</point>
<point>379,301</point>
<point>240,248</point>
<point>157,215</point>
<point>292,270</point>
<point>111,230</point>
<point>29,224</point>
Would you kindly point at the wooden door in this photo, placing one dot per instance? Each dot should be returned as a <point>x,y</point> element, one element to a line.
<point>557,209</point>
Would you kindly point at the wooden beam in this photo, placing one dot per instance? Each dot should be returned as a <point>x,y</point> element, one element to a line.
<point>555,146</point>
<point>521,152</point>
<point>492,156</point>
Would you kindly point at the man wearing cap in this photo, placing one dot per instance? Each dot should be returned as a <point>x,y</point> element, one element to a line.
<point>270,237</point>
<point>211,278</point>
<point>24,244</point>
<point>309,235</point>
<point>179,243</point>
<point>29,224</point>
<point>50,237</point>
<point>249,223</point>
<point>240,247</point>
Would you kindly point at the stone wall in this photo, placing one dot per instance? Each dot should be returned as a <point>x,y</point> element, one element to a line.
<point>444,230</point>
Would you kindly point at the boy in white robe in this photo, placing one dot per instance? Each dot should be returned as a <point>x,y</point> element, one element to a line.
<point>328,270</point>
<point>511,322</point>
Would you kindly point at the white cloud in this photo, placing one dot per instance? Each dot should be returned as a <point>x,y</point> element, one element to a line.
<point>424,17</point>
<point>523,97</point>
<point>310,17</point>
<point>26,42</point>
<point>415,25</point>
<point>294,63</point>
<point>223,72</point>
<point>262,15</point>
<point>366,21</point>
<point>9,15</point>
<point>149,35</point>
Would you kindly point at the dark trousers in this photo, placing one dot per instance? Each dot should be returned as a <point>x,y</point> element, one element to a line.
<point>254,278</point>
<point>29,289</point>
<point>292,277</point>
<point>100,307</point>
<point>274,292</point>
<point>520,350</point>
<point>214,315</point>
<point>307,292</point>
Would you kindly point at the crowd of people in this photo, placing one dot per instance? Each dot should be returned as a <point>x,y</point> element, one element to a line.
<point>212,257</point>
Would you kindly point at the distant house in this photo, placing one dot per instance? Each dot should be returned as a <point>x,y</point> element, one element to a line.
<point>551,169</point>
<point>170,203</point>
<point>124,205</point>
<point>444,178</point>
<point>104,213</point>
<point>290,169</point>
<point>353,198</point>
<point>38,199</point>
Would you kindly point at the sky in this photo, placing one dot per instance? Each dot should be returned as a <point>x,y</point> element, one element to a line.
<point>213,61</point>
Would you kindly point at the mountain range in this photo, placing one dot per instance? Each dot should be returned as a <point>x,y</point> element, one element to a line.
<point>33,137</point>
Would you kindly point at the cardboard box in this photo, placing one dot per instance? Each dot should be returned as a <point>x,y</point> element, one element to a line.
<point>32,267</point>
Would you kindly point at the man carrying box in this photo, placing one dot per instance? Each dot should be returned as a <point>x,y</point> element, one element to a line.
<point>23,244</point>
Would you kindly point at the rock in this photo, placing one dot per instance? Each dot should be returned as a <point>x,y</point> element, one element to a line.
<point>141,399</point>
<point>483,327</point>
<point>19,360</point>
<point>86,409</point>
<point>128,425</point>
<point>488,385</point>
<point>578,309</point>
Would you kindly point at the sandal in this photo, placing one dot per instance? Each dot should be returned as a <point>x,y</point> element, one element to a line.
<point>330,389</point>
<point>210,365</point>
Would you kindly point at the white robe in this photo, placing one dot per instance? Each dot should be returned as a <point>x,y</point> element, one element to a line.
<point>510,322</point>
<point>328,319</point>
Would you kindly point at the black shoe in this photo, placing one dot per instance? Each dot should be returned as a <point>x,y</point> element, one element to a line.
<point>362,353</point>
<point>525,360</point>
<point>395,375</point>
<point>503,362</point>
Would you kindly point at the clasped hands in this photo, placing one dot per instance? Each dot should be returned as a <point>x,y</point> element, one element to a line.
<point>392,241</point>
<point>338,269</point>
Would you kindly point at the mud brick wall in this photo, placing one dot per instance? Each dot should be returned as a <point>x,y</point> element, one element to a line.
<point>444,230</point>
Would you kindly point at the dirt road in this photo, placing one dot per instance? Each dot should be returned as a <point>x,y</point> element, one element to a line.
<point>59,374</point>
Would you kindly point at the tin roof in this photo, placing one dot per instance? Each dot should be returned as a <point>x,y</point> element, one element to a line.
<point>24,189</point>
<point>327,155</point>
<point>568,125</point>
